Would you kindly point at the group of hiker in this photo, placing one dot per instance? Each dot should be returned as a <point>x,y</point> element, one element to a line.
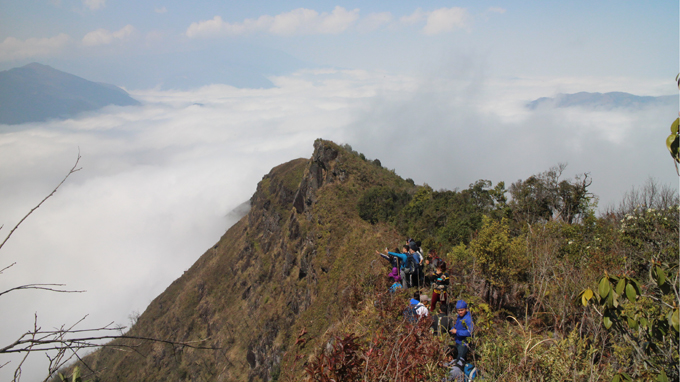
<point>410,269</point>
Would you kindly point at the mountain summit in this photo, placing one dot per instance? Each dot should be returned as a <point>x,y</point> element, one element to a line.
<point>36,92</point>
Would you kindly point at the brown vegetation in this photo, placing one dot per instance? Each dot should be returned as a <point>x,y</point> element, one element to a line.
<point>294,292</point>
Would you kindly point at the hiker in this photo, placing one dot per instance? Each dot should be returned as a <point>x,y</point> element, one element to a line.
<point>415,251</point>
<point>398,260</point>
<point>442,323</point>
<point>416,309</point>
<point>462,330</point>
<point>441,284</point>
<point>413,267</point>
<point>432,262</point>
<point>395,279</point>
<point>455,374</point>
<point>394,287</point>
<point>395,275</point>
<point>406,264</point>
<point>394,261</point>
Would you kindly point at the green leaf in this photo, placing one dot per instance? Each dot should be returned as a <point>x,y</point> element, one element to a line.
<point>674,126</point>
<point>672,143</point>
<point>620,285</point>
<point>626,376</point>
<point>630,292</point>
<point>669,142</point>
<point>662,377</point>
<point>632,323</point>
<point>607,322</point>
<point>660,275</point>
<point>643,322</point>
<point>612,301</point>
<point>636,285</point>
<point>675,320</point>
<point>604,287</point>
<point>617,378</point>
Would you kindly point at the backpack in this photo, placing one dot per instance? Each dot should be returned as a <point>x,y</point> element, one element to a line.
<point>410,266</point>
<point>410,314</point>
<point>470,372</point>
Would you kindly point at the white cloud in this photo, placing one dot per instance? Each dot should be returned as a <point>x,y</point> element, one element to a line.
<point>290,22</point>
<point>105,37</point>
<point>338,21</point>
<point>440,20</point>
<point>158,180</point>
<point>207,28</point>
<point>160,10</point>
<point>14,49</point>
<point>94,4</point>
<point>417,16</point>
<point>296,22</point>
<point>374,21</point>
<point>445,20</point>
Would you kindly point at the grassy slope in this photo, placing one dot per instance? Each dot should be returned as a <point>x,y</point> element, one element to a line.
<point>277,271</point>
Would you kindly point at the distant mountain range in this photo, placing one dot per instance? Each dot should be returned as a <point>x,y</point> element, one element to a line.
<point>36,92</point>
<point>602,100</point>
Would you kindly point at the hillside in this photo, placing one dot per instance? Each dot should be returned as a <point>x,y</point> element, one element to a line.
<point>292,262</point>
<point>35,92</point>
<point>294,291</point>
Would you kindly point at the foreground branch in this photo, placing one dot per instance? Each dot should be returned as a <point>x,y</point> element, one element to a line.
<point>42,287</point>
<point>73,169</point>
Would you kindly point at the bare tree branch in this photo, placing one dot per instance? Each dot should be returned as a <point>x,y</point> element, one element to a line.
<point>73,169</point>
<point>42,287</point>
<point>7,267</point>
<point>17,371</point>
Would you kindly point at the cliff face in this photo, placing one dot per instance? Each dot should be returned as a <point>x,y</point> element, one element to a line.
<point>297,260</point>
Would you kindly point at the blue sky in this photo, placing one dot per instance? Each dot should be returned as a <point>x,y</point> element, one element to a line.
<point>506,39</point>
<point>435,90</point>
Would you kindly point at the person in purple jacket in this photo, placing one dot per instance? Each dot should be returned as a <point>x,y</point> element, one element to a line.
<point>462,330</point>
<point>402,261</point>
<point>395,275</point>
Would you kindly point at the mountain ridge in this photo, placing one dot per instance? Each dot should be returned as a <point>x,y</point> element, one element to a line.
<point>37,92</point>
<point>293,263</point>
<point>608,100</point>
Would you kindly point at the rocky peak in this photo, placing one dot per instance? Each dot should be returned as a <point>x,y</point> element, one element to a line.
<point>322,170</point>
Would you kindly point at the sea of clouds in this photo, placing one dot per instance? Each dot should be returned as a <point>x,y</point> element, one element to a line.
<point>158,181</point>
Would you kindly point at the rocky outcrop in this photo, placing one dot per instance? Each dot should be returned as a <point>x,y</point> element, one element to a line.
<point>321,171</point>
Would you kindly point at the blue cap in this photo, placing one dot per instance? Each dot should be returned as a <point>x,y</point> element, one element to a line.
<point>461,304</point>
<point>414,301</point>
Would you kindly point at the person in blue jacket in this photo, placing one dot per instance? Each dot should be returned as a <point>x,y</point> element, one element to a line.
<point>462,330</point>
<point>402,262</point>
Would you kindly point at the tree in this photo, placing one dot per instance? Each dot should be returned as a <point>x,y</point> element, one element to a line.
<point>545,197</point>
<point>502,260</point>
